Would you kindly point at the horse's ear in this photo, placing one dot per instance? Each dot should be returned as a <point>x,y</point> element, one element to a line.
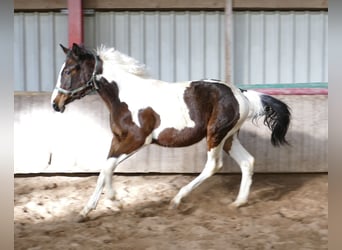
<point>66,50</point>
<point>77,50</point>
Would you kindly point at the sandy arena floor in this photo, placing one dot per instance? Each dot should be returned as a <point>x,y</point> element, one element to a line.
<point>284,212</point>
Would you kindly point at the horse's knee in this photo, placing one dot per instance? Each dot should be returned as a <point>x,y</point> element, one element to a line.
<point>210,171</point>
<point>110,164</point>
<point>108,169</point>
<point>247,166</point>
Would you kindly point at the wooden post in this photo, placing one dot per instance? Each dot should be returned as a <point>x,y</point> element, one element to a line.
<point>229,38</point>
<point>75,22</point>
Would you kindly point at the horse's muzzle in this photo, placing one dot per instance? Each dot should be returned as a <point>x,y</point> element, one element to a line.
<point>57,108</point>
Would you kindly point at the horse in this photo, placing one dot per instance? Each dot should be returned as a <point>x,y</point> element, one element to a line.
<point>144,111</point>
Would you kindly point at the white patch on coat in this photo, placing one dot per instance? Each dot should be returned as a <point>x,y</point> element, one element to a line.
<point>243,109</point>
<point>58,84</point>
<point>255,106</point>
<point>213,81</point>
<point>140,92</point>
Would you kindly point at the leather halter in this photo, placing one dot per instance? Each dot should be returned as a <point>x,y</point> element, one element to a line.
<point>90,83</point>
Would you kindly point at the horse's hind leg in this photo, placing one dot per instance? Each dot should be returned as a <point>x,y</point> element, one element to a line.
<point>246,163</point>
<point>213,164</point>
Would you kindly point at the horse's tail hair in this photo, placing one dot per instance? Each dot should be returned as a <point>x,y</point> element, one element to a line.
<point>276,114</point>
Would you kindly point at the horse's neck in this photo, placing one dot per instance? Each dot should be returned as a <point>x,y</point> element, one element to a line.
<point>124,79</point>
<point>121,89</point>
<point>109,92</point>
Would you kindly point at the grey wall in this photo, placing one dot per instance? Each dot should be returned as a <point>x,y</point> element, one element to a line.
<point>281,47</point>
<point>37,56</point>
<point>269,47</point>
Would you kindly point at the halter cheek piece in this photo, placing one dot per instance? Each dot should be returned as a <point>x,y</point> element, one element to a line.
<point>90,83</point>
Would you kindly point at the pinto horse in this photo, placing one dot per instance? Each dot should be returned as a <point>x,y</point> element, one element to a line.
<point>145,111</point>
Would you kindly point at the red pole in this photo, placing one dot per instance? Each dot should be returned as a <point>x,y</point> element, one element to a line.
<point>75,22</point>
<point>229,37</point>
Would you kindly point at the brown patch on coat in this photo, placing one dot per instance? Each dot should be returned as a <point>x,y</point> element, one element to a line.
<point>127,136</point>
<point>213,108</point>
<point>228,144</point>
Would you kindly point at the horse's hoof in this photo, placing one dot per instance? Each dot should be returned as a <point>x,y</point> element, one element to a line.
<point>113,205</point>
<point>111,195</point>
<point>232,207</point>
<point>173,205</point>
<point>236,204</point>
<point>81,218</point>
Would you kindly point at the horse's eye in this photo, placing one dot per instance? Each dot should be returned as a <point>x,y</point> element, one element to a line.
<point>67,72</point>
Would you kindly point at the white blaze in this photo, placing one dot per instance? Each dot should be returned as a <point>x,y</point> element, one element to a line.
<point>58,84</point>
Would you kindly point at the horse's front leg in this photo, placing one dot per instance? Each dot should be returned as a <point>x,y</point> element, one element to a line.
<point>104,176</point>
<point>111,202</point>
<point>124,144</point>
<point>108,170</point>
<point>104,180</point>
<point>117,153</point>
<point>94,198</point>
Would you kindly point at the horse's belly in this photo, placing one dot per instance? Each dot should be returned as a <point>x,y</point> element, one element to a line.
<point>171,137</point>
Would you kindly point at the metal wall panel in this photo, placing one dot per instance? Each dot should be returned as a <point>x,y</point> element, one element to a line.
<point>280,47</point>
<point>175,46</point>
<point>269,47</point>
<point>37,56</point>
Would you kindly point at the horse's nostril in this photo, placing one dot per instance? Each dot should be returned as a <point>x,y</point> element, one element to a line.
<point>55,106</point>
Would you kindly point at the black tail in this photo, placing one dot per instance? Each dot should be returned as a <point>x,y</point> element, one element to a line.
<point>277,114</point>
<point>277,118</point>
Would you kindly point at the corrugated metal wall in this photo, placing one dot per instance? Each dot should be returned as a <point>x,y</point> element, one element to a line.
<point>280,47</point>
<point>269,47</point>
<point>174,45</point>
<point>37,56</point>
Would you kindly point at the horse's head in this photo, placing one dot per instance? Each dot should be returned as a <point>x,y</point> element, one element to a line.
<point>76,78</point>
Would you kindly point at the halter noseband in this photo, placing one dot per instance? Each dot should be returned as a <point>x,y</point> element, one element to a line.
<point>91,82</point>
